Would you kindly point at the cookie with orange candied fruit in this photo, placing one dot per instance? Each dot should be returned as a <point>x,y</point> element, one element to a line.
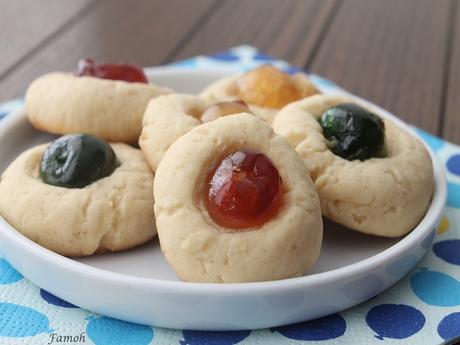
<point>266,89</point>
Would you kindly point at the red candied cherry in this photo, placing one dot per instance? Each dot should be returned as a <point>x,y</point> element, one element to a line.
<point>125,72</point>
<point>244,190</point>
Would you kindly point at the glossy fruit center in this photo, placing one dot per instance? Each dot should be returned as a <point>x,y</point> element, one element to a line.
<point>224,108</point>
<point>267,86</point>
<point>77,160</point>
<point>244,190</point>
<point>124,72</point>
<point>353,132</point>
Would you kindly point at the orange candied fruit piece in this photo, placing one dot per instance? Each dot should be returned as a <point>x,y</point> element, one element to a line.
<point>267,86</point>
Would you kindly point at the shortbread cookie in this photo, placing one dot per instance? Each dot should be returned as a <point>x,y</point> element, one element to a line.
<point>385,195</point>
<point>111,214</point>
<point>169,117</point>
<point>63,103</point>
<point>265,89</point>
<point>234,203</point>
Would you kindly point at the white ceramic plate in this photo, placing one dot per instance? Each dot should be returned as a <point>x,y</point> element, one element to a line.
<point>139,286</point>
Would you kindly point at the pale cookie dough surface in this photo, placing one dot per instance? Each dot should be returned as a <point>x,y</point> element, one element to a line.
<point>111,214</point>
<point>62,103</point>
<point>166,119</point>
<point>226,89</point>
<point>380,196</point>
<point>198,249</point>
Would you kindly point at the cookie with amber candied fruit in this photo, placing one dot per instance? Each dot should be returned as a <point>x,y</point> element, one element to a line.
<point>234,203</point>
<point>106,100</point>
<point>169,117</point>
<point>265,89</point>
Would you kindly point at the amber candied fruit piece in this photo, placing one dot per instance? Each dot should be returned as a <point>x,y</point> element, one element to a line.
<point>124,72</point>
<point>244,190</point>
<point>267,86</point>
<point>224,108</point>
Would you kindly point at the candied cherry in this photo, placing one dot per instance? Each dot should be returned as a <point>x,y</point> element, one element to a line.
<point>224,108</point>
<point>353,132</point>
<point>244,190</point>
<point>124,72</point>
<point>267,86</point>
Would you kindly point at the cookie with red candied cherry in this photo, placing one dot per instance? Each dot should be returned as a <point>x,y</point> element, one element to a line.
<point>235,203</point>
<point>106,100</point>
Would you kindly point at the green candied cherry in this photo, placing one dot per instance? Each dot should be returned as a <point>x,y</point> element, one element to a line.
<point>77,160</point>
<point>353,132</point>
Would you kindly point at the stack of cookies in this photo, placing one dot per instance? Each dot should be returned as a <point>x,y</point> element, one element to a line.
<point>234,180</point>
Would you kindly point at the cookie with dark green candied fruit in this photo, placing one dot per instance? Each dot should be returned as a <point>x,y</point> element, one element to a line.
<point>100,201</point>
<point>371,174</point>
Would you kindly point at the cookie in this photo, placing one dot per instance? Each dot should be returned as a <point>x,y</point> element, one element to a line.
<point>62,103</point>
<point>385,196</point>
<point>113,213</point>
<point>169,117</point>
<point>265,89</point>
<point>197,246</point>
